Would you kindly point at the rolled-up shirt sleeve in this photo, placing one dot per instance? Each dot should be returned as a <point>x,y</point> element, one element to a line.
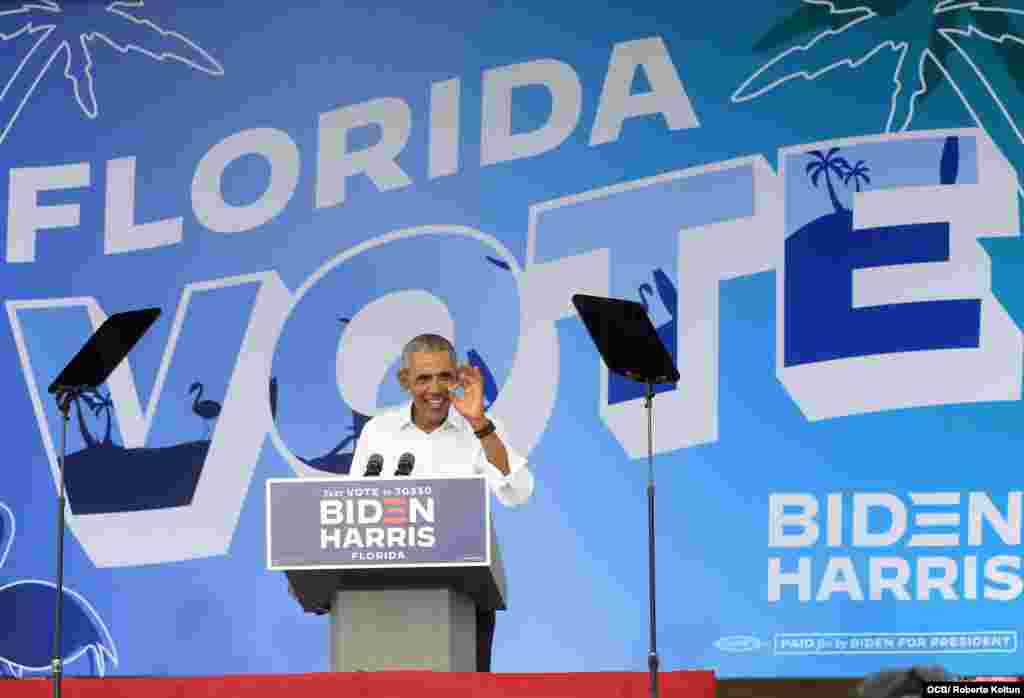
<point>516,487</point>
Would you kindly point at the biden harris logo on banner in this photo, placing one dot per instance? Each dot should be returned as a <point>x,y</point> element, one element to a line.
<point>65,34</point>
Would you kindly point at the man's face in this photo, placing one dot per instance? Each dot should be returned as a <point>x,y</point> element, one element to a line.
<point>428,378</point>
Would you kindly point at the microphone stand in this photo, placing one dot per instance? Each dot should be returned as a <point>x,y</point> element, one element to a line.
<point>65,397</point>
<point>652,655</point>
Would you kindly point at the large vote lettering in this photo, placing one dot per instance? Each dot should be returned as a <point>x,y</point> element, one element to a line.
<point>882,303</point>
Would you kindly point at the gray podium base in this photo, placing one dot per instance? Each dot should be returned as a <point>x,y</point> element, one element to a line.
<point>389,629</point>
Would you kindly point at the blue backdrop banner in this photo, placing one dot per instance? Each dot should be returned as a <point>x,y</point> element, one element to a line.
<point>817,201</point>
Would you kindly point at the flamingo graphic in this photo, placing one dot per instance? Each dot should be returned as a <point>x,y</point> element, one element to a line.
<point>26,628</point>
<point>668,296</point>
<point>208,410</point>
<point>645,290</point>
<point>663,309</point>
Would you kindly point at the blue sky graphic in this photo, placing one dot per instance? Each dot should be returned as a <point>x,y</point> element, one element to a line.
<point>576,554</point>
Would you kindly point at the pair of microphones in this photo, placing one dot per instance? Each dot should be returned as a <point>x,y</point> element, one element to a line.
<point>375,465</point>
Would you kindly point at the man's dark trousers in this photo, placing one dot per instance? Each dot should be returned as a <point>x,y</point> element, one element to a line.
<point>484,638</point>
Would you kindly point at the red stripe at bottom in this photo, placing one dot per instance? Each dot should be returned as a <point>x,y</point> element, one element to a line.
<point>411,684</point>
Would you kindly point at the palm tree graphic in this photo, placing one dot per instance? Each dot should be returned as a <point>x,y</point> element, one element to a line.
<point>69,29</point>
<point>932,46</point>
<point>858,173</point>
<point>828,164</point>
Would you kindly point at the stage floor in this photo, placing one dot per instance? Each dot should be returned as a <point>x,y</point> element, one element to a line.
<point>787,688</point>
<point>414,684</point>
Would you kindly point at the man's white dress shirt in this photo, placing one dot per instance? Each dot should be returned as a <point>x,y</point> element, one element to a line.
<point>451,449</point>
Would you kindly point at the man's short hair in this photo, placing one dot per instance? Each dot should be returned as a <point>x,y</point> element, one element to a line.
<point>427,342</point>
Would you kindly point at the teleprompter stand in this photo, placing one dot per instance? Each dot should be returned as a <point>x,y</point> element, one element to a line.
<point>89,369</point>
<point>630,346</point>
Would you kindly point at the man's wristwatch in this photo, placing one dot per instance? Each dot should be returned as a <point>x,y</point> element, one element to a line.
<point>485,431</point>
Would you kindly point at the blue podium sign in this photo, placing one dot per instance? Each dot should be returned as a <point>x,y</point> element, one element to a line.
<point>337,523</point>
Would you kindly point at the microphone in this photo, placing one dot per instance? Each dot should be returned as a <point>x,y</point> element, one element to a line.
<point>374,465</point>
<point>405,463</point>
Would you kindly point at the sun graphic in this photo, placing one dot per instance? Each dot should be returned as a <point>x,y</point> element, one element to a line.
<point>930,41</point>
<point>69,30</point>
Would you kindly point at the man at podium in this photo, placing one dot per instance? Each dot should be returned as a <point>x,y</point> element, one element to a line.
<point>426,436</point>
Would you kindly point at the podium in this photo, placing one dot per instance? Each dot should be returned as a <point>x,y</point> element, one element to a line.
<point>400,564</point>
